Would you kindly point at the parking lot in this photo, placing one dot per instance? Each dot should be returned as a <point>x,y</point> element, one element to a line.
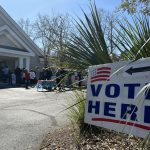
<point>26,116</point>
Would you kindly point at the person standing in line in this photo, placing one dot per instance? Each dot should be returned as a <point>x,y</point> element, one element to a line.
<point>32,77</point>
<point>58,79</point>
<point>62,78</point>
<point>49,74</point>
<point>5,74</point>
<point>18,76</point>
<point>27,78</point>
<point>80,78</point>
<point>13,79</point>
<point>23,76</point>
<point>46,74</point>
<point>37,73</point>
<point>42,76</point>
<point>9,77</point>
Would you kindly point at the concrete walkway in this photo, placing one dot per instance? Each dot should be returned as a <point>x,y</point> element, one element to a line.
<point>26,116</point>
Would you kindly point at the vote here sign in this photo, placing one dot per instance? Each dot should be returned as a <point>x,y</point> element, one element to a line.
<point>114,100</point>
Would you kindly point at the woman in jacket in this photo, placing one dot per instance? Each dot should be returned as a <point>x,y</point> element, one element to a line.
<point>27,78</point>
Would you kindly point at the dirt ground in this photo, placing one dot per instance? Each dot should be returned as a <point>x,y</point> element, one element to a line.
<point>68,138</point>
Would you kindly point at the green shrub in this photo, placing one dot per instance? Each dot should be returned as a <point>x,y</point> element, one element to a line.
<point>76,108</point>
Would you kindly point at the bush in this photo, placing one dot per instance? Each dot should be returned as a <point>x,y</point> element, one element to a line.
<point>76,108</point>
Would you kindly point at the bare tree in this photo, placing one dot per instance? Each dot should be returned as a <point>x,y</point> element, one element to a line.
<point>108,22</point>
<point>133,6</point>
<point>52,32</point>
<point>27,26</point>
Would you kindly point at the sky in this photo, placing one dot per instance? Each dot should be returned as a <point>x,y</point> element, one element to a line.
<point>31,8</point>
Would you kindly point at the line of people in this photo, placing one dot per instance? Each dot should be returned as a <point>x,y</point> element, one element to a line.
<point>20,77</point>
<point>17,77</point>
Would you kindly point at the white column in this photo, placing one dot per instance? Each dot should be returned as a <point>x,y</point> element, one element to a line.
<point>16,62</point>
<point>21,62</point>
<point>24,62</point>
<point>28,63</point>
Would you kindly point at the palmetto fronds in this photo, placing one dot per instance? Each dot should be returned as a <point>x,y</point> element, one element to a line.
<point>134,37</point>
<point>89,46</point>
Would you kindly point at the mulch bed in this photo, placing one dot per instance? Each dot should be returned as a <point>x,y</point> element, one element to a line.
<point>69,138</point>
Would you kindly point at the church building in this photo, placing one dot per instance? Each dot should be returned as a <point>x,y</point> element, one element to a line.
<point>16,47</point>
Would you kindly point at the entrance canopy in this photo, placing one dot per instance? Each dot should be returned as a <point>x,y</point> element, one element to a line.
<point>14,61</point>
<point>11,62</point>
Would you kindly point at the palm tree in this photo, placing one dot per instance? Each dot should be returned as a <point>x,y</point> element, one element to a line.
<point>134,37</point>
<point>134,43</point>
<point>89,46</point>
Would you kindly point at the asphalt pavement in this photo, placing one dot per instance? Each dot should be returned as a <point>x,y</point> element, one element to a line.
<point>26,116</point>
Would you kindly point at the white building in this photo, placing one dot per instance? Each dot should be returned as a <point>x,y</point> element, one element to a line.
<point>16,48</point>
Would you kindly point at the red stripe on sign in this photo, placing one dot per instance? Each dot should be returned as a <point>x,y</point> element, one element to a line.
<point>122,122</point>
<point>100,79</point>
<point>104,68</point>
<point>99,76</point>
<point>100,72</point>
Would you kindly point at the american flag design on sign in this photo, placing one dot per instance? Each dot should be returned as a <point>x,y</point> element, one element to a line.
<point>100,74</point>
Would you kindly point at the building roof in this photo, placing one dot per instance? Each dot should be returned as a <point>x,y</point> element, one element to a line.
<point>20,33</point>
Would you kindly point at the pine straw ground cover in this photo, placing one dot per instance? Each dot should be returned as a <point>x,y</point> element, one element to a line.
<point>69,138</point>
